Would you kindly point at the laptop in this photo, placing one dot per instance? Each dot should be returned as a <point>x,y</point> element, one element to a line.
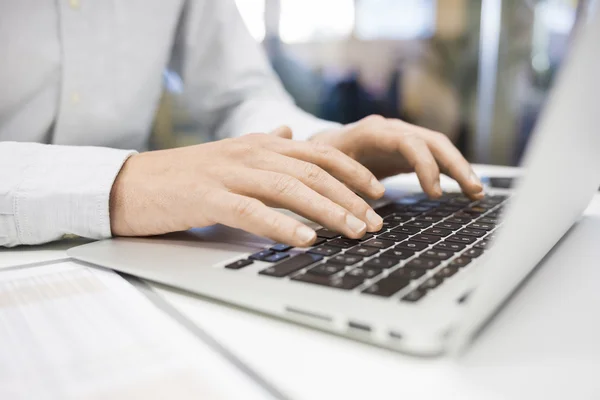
<point>436,272</point>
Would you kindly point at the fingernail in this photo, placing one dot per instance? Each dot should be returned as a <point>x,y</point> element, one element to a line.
<point>437,188</point>
<point>475,179</point>
<point>373,218</point>
<point>377,186</point>
<point>305,234</point>
<point>355,224</point>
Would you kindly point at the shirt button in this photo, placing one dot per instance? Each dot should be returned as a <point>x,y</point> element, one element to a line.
<point>74,4</point>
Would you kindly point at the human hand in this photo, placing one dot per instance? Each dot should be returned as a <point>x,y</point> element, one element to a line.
<point>235,182</point>
<point>389,146</point>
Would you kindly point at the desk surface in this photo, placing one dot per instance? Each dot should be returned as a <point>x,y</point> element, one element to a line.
<point>540,346</point>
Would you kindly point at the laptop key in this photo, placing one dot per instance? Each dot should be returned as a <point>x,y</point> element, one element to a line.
<point>460,262</point>
<point>290,265</point>
<point>280,247</point>
<point>387,287</point>
<point>458,220</point>
<point>345,259</point>
<point>381,262</point>
<point>396,237</point>
<point>414,296</point>
<point>487,220</point>
<point>407,214</point>
<point>450,207</point>
<point>422,263</point>
<point>397,218</point>
<point>407,230</point>
<point>437,232</point>
<point>408,273</point>
<point>429,239</point>
<point>410,245</point>
<point>362,251</point>
<point>325,250</point>
<point>276,257</point>
<point>475,210</point>
<point>449,246</point>
<point>437,254</point>
<point>364,272</point>
<point>482,244</point>
<point>398,254</point>
<point>239,264</point>
<point>448,225</point>
<point>429,218</point>
<point>473,253</point>
<point>461,239</point>
<point>339,282</point>
<point>343,243</point>
<point>463,215</point>
<point>261,255</point>
<point>319,241</point>
<point>472,232</point>
<point>420,208</point>
<point>431,283</point>
<point>481,226</point>
<point>430,203</point>
<point>419,224</point>
<point>327,234</point>
<point>326,269</point>
<point>379,243</point>
<point>439,213</point>
<point>447,272</point>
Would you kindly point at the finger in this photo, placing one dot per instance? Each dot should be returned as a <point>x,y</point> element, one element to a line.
<point>356,176</point>
<point>284,191</point>
<point>417,154</point>
<point>283,132</point>
<point>253,216</point>
<point>323,183</point>
<point>451,161</point>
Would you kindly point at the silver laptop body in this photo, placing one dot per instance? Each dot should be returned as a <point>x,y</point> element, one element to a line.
<point>562,172</point>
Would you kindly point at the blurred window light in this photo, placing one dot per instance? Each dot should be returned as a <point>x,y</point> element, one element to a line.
<point>558,16</point>
<point>253,14</point>
<point>394,19</point>
<point>315,20</point>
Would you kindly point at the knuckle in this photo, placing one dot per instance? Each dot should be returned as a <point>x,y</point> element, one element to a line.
<point>322,148</point>
<point>253,137</point>
<point>285,184</point>
<point>246,207</point>
<point>440,137</point>
<point>374,119</point>
<point>358,205</point>
<point>241,148</point>
<point>313,172</point>
<point>273,221</point>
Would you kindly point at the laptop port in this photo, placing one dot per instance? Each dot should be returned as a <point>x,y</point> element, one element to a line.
<point>359,326</point>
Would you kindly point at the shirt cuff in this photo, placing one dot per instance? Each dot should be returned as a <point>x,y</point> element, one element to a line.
<point>66,190</point>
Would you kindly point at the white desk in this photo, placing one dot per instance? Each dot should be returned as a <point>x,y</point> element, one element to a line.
<point>539,347</point>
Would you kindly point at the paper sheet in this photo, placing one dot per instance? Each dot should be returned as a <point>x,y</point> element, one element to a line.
<point>73,332</point>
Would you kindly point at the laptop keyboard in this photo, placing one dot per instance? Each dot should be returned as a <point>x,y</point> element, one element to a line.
<point>422,243</point>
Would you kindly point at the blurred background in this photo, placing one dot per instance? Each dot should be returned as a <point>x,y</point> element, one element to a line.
<point>477,70</point>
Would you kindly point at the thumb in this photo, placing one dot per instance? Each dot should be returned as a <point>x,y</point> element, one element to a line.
<point>283,131</point>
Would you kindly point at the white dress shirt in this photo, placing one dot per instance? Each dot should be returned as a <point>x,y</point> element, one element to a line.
<point>80,81</point>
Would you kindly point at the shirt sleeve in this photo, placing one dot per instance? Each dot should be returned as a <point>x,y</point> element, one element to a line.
<point>48,191</point>
<point>229,84</point>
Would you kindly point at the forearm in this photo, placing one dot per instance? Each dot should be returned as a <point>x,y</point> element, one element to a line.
<point>47,191</point>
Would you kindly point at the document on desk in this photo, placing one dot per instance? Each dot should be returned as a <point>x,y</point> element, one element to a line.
<point>72,332</point>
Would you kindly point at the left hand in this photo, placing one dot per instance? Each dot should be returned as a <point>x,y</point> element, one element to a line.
<point>390,146</point>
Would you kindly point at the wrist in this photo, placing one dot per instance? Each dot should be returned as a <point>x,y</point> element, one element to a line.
<point>118,200</point>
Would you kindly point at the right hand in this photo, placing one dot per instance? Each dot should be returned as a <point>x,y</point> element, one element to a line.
<point>234,182</point>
